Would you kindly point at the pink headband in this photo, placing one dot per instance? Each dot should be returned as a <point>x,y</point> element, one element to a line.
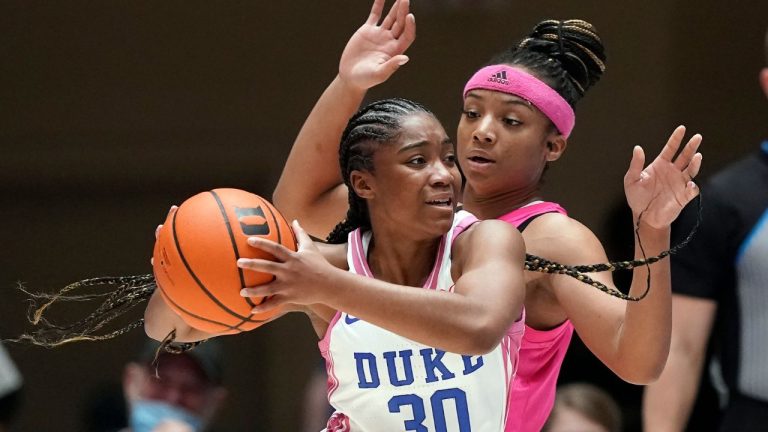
<point>511,80</point>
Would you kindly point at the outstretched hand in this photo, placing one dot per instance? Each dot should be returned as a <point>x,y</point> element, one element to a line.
<point>658,193</point>
<point>299,276</point>
<point>376,49</point>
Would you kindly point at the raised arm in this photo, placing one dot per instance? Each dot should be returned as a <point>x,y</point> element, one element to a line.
<point>631,338</point>
<point>310,187</point>
<point>487,297</point>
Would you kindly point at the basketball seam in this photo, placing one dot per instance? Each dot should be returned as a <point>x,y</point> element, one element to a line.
<point>232,240</point>
<point>199,282</point>
<point>168,298</point>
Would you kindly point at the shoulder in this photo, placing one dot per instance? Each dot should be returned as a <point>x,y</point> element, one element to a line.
<point>336,254</point>
<point>488,237</point>
<point>564,239</point>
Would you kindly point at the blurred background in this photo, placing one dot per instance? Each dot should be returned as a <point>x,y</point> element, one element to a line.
<point>110,112</point>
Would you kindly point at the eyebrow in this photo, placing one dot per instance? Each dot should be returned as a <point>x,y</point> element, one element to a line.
<point>417,144</point>
<point>509,100</point>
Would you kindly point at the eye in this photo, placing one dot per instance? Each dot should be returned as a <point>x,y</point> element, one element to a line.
<point>470,114</point>
<point>509,121</point>
<point>417,161</point>
<point>450,159</point>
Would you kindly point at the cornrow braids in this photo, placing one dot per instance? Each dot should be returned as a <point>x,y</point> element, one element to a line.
<point>568,55</point>
<point>125,292</point>
<point>375,124</point>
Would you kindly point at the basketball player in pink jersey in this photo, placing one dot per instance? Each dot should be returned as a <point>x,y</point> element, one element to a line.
<point>517,116</point>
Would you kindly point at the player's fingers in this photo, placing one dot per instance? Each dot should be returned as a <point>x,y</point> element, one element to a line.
<point>400,19</point>
<point>673,143</point>
<point>686,155</point>
<point>270,304</point>
<point>389,20</point>
<point>693,168</point>
<point>408,35</point>
<point>259,265</point>
<point>280,252</point>
<point>635,171</point>
<point>303,239</point>
<point>257,291</point>
<point>375,15</point>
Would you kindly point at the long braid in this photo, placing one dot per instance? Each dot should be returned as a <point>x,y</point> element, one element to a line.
<point>125,292</point>
<point>543,265</point>
<point>377,123</point>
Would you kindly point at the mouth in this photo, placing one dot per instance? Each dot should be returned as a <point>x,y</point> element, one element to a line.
<point>447,202</point>
<point>480,160</point>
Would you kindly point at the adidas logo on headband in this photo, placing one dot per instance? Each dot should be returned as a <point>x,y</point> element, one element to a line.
<point>515,81</point>
<point>499,77</point>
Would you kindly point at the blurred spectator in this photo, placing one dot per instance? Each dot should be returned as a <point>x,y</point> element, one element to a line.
<point>10,390</point>
<point>581,407</point>
<point>174,392</point>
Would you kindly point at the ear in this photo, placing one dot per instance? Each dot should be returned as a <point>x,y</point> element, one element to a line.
<point>362,183</point>
<point>134,378</point>
<point>556,144</point>
<point>764,80</point>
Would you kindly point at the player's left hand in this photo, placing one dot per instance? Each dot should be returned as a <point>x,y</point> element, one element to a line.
<point>658,193</point>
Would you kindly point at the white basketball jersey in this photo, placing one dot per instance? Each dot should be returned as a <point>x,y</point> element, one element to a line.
<point>379,381</point>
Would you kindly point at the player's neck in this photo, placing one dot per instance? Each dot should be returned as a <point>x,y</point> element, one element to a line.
<point>402,262</point>
<point>492,206</point>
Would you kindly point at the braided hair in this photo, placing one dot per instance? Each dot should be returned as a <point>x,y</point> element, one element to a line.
<point>120,295</point>
<point>375,124</point>
<point>568,55</point>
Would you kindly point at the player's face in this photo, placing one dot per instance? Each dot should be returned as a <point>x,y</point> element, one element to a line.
<point>502,143</point>
<point>416,181</point>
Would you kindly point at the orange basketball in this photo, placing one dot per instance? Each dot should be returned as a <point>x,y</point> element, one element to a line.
<point>196,252</point>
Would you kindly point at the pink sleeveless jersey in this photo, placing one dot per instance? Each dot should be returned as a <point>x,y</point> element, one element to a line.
<point>541,354</point>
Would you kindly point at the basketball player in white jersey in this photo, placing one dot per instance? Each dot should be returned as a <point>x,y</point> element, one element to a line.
<point>423,339</point>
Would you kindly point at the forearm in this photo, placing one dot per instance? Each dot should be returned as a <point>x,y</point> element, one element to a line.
<point>312,172</point>
<point>450,321</point>
<point>643,342</point>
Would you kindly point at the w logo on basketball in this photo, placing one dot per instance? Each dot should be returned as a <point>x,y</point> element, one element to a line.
<point>252,220</point>
<point>499,77</point>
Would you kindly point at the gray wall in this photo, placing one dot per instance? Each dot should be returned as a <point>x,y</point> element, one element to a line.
<point>112,111</point>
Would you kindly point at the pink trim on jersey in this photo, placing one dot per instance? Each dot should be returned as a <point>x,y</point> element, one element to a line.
<point>510,351</point>
<point>541,353</point>
<point>360,260</point>
<point>518,216</point>
<point>338,422</point>
<point>431,282</point>
<point>324,344</point>
<point>468,220</point>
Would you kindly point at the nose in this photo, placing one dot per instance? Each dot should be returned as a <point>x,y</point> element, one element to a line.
<point>484,133</point>
<point>441,175</point>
